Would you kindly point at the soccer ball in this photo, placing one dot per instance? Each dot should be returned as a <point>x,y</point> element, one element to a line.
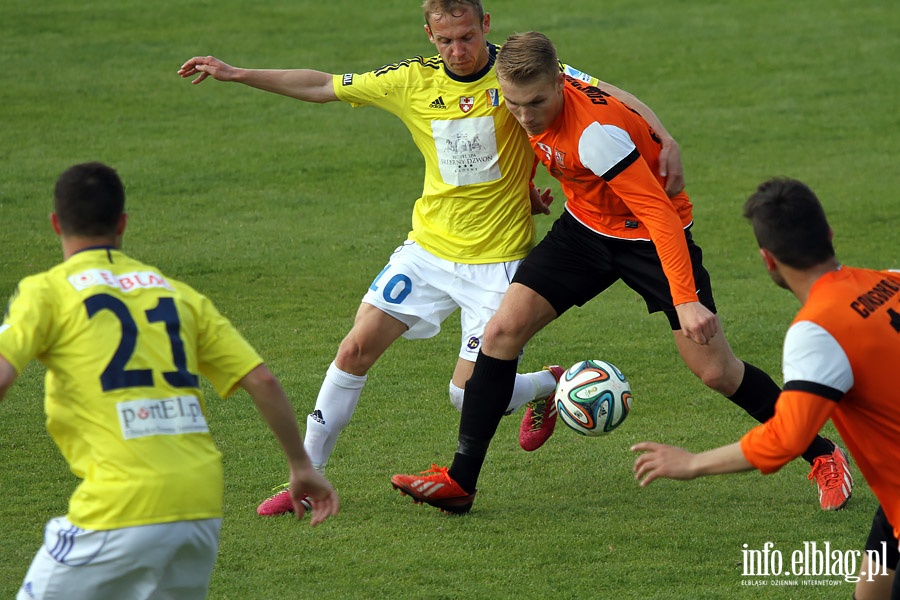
<point>593,397</point>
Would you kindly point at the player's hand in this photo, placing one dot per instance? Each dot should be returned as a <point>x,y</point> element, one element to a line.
<point>659,460</point>
<point>207,66</point>
<point>670,167</point>
<point>698,323</point>
<point>309,482</point>
<point>540,201</point>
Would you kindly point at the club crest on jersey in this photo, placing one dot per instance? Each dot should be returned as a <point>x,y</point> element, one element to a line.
<point>473,343</point>
<point>560,158</point>
<point>466,103</point>
<point>493,97</point>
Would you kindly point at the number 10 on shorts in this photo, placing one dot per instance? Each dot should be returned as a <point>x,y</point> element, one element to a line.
<point>394,290</point>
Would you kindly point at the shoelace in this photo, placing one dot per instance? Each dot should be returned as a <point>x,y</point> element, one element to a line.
<point>825,472</point>
<point>280,488</point>
<point>436,470</point>
<point>537,415</point>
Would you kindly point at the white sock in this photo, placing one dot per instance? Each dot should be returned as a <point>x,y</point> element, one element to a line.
<point>529,387</point>
<point>335,404</point>
<point>456,396</point>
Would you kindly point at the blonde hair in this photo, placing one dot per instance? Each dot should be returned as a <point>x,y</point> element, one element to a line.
<point>527,56</point>
<point>451,7</point>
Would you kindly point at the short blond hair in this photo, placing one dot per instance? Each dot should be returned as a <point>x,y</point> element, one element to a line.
<point>451,7</point>
<point>525,57</point>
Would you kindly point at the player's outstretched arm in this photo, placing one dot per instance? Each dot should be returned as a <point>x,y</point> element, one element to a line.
<point>276,410</point>
<point>302,84</point>
<point>670,166</point>
<point>8,376</point>
<point>659,460</point>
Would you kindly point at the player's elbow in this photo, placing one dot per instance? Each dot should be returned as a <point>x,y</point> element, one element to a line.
<point>8,375</point>
<point>260,379</point>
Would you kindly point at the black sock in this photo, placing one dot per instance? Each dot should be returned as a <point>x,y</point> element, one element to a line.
<point>757,395</point>
<point>819,447</point>
<point>487,395</point>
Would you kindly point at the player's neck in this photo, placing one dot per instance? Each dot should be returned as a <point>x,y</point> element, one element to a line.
<point>72,245</point>
<point>800,282</point>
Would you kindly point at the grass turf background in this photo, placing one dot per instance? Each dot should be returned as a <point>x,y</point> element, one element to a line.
<point>283,213</point>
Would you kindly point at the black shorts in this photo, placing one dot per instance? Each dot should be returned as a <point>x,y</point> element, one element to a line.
<point>882,531</point>
<point>573,264</point>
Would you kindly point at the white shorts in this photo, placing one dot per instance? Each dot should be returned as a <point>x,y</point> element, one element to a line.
<point>421,290</point>
<point>162,561</point>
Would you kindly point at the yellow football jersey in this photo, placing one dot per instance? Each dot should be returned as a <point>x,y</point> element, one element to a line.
<point>474,206</point>
<point>123,346</point>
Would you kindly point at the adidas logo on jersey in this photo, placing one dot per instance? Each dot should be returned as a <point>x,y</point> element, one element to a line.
<point>438,103</point>
<point>317,416</point>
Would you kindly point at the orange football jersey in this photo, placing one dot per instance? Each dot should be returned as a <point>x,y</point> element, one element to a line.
<point>606,158</point>
<point>839,359</point>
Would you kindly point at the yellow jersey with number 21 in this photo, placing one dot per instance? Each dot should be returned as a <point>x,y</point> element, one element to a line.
<point>124,346</point>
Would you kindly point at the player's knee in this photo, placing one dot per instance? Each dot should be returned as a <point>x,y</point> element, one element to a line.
<point>718,377</point>
<point>456,396</point>
<point>352,356</point>
<point>502,337</point>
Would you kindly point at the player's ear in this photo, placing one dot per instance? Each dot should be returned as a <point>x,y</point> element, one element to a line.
<point>54,222</point>
<point>768,259</point>
<point>428,33</point>
<point>120,229</point>
<point>486,24</point>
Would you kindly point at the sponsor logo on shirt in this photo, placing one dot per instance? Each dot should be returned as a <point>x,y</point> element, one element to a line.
<point>571,72</point>
<point>161,416</point>
<point>545,148</point>
<point>438,103</point>
<point>466,150</point>
<point>347,79</point>
<point>125,282</point>
<point>473,343</point>
<point>493,97</point>
<point>560,158</point>
<point>466,103</point>
<point>869,302</point>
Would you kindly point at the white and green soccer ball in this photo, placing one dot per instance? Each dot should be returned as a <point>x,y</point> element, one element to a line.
<point>593,397</point>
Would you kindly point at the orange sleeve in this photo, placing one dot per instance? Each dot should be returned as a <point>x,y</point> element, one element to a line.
<point>798,418</point>
<point>640,191</point>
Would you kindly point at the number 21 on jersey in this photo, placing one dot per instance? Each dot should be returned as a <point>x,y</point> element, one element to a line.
<point>116,376</point>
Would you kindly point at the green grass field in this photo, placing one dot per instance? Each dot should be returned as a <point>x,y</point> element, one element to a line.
<point>284,212</point>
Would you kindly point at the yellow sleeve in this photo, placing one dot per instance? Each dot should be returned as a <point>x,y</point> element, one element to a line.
<point>224,356</point>
<point>26,330</point>
<point>579,75</point>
